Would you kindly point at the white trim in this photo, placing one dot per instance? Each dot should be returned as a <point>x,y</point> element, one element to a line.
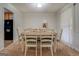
<point>75,49</point>
<point>2,26</point>
<point>70,45</point>
<point>66,43</point>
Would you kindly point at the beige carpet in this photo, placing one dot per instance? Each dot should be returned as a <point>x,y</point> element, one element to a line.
<point>15,50</point>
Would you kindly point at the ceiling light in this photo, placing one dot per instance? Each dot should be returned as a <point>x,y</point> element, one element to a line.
<point>39,5</point>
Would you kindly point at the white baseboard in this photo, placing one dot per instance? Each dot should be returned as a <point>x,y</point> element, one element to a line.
<point>75,48</point>
<point>69,45</point>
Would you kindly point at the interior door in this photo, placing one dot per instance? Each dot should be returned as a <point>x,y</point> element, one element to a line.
<point>8,25</point>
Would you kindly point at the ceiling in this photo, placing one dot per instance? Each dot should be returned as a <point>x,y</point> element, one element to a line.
<point>32,7</point>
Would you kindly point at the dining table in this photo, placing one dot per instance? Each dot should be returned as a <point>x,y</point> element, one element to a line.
<point>39,33</point>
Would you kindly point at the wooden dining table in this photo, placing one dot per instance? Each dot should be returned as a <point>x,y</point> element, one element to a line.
<point>39,33</point>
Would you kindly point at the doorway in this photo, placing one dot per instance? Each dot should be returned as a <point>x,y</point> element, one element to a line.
<point>8,27</point>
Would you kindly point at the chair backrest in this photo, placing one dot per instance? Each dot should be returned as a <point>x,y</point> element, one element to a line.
<point>60,34</point>
<point>47,39</point>
<point>19,33</point>
<point>46,36</point>
<point>30,39</point>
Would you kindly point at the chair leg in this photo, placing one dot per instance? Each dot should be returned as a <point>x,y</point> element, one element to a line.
<point>40,51</point>
<point>26,51</point>
<point>18,43</point>
<point>51,51</point>
<point>55,48</point>
<point>22,47</point>
<point>36,51</point>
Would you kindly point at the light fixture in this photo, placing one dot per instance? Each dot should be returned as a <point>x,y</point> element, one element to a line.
<point>39,5</point>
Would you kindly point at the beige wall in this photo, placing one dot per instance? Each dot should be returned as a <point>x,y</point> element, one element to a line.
<point>35,20</point>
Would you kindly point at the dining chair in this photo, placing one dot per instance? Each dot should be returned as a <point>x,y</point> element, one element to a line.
<point>30,41</point>
<point>59,35</point>
<point>20,39</point>
<point>46,41</point>
<point>57,40</point>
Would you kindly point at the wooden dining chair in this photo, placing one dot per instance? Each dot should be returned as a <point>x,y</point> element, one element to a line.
<point>46,41</point>
<point>59,35</point>
<point>57,40</point>
<point>20,39</point>
<point>30,41</point>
